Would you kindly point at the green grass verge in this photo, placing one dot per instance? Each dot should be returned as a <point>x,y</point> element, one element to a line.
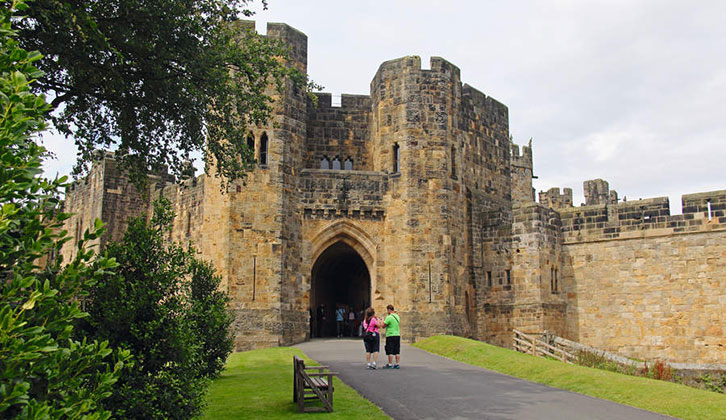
<point>258,385</point>
<point>659,396</point>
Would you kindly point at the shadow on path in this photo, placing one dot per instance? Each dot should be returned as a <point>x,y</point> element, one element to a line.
<point>432,387</point>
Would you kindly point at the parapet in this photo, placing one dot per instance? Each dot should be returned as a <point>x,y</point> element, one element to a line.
<point>295,39</point>
<point>597,191</point>
<point>553,199</point>
<point>480,101</point>
<point>392,69</point>
<point>347,101</point>
<point>523,160</point>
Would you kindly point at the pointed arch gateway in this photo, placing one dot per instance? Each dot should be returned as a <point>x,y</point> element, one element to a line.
<point>343,258</point>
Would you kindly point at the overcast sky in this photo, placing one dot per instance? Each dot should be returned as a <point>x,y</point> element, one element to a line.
<point>630,91</point>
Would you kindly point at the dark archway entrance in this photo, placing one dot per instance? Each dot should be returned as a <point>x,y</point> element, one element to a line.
<point>339,277</point>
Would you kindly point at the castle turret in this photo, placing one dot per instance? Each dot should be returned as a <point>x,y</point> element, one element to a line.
<point>522,173</point>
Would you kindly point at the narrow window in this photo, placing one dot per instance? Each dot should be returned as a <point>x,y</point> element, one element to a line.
<point>557,286</point>
<point>708,203</point>
<point>453,161</point>
<point>251,144</point>
<point>509,277</point>
<point>189,224</point>
<point>263,149</point>
<point>325,163</point>
<point>489,279</point>
<point>552,279</point>
<point>336,163</point>
<point>348,164</point>
<point>396,158</point>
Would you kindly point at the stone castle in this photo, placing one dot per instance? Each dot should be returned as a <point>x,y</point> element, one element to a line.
<point>416,196</point>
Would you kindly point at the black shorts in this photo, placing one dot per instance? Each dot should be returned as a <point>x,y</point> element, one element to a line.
<point>393,345</point>
<point>373,346</point>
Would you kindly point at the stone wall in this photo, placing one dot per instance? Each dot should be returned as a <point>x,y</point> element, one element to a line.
<point>106,194</point>
<point>646,284</point>
<point>339,132</point>
<point>653,297</point>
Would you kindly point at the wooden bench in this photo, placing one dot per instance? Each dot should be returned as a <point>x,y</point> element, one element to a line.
<point>312,383</point>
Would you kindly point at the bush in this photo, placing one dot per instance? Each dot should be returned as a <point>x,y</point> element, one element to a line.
<point>44,372</point>
<point>164,306</point>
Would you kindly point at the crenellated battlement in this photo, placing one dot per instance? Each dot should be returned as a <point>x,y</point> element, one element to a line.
<point>347,101</point>
<point>412,64</point>
<point>702,212</point>
<point>296,41</point>
<point>553,199</point>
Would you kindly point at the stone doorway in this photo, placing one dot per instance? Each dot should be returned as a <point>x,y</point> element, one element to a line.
<point>339,277</point>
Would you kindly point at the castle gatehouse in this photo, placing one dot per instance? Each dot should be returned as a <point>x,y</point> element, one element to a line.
<point>415,195</point>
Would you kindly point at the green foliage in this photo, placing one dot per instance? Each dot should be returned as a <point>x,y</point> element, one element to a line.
<point>163,305</point>
<point>257,385</point>
<point>157,78</point>
<point>211,319</point>
<point>44,373</point>
<point>714,383</point>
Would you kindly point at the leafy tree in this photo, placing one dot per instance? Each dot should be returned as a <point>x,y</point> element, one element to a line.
<point>164,306</point>
<point>158,78</point>
<point>211,318</point>
<point>44,373</point>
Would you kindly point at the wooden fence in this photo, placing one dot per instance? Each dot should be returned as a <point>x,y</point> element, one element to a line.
<point>533,344</point>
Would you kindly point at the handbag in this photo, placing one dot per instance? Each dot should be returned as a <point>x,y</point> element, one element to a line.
<point>369,336</point>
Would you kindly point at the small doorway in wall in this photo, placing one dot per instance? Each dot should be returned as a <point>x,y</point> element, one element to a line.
<point>340,278</point>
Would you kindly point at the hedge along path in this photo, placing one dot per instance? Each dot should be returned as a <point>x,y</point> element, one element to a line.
<point>258,384</point>
<point>649,394</point>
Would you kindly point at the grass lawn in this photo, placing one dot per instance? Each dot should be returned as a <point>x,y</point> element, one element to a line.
<point>659,396</point>
<point>258,385</point>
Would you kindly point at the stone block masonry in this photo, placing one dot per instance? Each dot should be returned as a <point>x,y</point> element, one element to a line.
<point>416,196</point>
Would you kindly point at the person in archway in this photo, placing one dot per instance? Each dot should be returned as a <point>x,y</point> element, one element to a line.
<point>351,321</point>
<point>371,337</point>
<point>339,320</point>
<point>321,319</point>
<point>393,338</point>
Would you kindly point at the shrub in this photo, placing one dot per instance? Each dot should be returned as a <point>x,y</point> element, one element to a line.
<point>44,372</point>
<point>164,306</point>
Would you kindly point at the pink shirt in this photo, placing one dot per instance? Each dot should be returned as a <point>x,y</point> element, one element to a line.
<point>373,325</point>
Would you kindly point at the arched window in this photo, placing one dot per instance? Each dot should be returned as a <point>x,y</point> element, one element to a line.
<point>251,143</point>
<point>348,164</point>
<point>263,149</point>
<point>336,163</point>
<point>251,146</point>
<point>396,158</point>
<point>453,161</point>
<point>557,286</point>
<point>325,163</point>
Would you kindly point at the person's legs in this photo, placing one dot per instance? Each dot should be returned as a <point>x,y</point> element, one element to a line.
<point>376,346</point>
<point>395,350</point>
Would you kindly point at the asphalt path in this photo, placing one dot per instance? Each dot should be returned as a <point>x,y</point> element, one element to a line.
<point>433,387</point>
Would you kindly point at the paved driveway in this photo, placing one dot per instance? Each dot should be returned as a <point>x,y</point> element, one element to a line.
<point>433,387</point>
